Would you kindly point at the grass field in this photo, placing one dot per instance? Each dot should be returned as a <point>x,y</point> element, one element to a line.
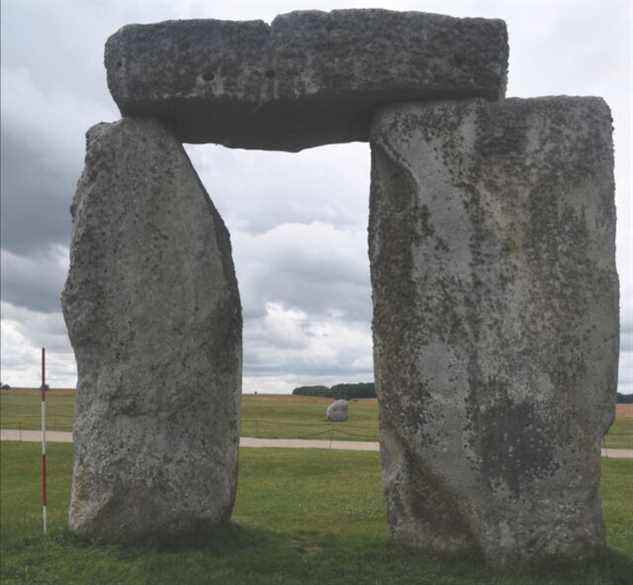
<point>303,517</point>
<point>267,416</point>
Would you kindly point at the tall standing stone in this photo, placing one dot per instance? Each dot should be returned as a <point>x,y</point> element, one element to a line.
<point>153,311</point>
<point>492,248</point>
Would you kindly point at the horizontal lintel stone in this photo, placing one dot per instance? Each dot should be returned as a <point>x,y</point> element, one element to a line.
<point>309,78</point>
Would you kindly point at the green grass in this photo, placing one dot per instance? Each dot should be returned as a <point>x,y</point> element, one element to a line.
<point>308,517</point>
<point>21,409</point>
<point>304,417</point>
<point>620,434</point>
<point>263,416</point>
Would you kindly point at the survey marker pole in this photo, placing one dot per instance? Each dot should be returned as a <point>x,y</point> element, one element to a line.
<point>43,468</point>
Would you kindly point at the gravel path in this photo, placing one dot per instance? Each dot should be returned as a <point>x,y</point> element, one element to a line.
<point>65,437</point>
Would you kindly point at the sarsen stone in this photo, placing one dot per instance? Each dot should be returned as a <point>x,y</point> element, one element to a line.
<point>153,313</point>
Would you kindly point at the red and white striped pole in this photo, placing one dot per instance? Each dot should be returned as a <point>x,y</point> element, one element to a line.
<point>43,394</point>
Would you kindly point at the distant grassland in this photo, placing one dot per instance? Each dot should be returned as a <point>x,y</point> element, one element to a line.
<point>283,416</point>
<point>265,416</point>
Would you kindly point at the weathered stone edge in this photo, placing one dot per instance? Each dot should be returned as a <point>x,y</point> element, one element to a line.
<point>115,47</point>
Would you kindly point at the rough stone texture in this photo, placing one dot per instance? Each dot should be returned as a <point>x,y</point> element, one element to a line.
<point>310,78</point>
<point>492,249</point>
<point>337,411</point>
<point>153,312</point>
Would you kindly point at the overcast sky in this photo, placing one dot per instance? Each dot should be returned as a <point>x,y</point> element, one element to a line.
<point>298,222</point>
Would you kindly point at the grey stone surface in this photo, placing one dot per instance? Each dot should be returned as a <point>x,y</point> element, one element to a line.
<point>153,313</point>
<point>307,79</point>
<point>492,250</point>
<point>337,411</point>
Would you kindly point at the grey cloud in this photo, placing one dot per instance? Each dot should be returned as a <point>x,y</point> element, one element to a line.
<point>53,89</point>
<point>315,268</point>
<point>36,197</point>
<point>290,341</point>
<point>35,281</point>
<point>41,158</point>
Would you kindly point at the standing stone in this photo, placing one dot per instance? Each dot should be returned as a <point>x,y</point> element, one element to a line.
<point>153,313</point>
<point>492,249</point>
<point>337,411</point>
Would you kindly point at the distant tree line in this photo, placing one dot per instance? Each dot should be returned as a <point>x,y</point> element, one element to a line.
<point>368,390</point>
<point>339,391</point>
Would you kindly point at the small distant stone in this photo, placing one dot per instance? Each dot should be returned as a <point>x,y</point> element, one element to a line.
<point>337,411</point>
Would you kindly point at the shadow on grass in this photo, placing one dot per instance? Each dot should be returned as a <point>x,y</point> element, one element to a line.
<point>246,555</point>
<point>611,564</point>
<point>216,541</point>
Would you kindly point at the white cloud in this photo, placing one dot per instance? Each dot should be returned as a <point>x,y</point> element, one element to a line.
<point>24,333</point>
<point>256,191</point>
<point>315,268</point>
<point>285,346</point>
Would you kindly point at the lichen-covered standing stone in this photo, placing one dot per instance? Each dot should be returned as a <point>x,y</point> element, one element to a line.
<point>492,248</point>
<point>153,313</point>
<point>309,78</point>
